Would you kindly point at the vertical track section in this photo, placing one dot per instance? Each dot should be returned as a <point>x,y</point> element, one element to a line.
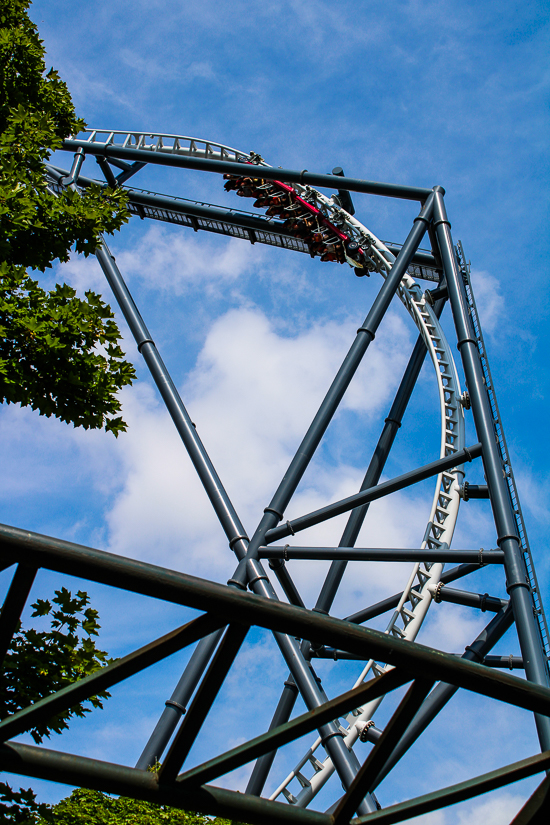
<point>417,596</point>
<point>538,608</point>
<point>332,234</point>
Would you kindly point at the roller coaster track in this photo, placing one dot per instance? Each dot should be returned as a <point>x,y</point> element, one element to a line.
<point>538,609</point>
<point>335,231</point>
<point>302,219</point>
<point>320,226</point>
<point>419,590</point>
<point>234,223</point>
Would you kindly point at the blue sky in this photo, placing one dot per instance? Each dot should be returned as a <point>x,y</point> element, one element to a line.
<point>418,93</point>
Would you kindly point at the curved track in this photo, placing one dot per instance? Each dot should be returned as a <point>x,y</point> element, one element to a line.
<point>333,234</point>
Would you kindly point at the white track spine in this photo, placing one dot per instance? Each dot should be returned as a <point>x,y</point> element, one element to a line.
<point>417,595</point>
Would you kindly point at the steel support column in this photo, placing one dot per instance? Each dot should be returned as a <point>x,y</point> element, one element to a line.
<point>442,693</point>
<point>349,537</point>
<point>344,760</point>
<point>14,603</point>
<point>176,705</point>
<point>507,538</point>
<point>211,482</point>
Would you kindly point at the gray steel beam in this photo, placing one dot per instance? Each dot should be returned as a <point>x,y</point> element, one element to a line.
<point>176,705</point>
<point>107,171</point>
<point>343,195</point>
<point>517,584</point>
<point>443,692</point>
<point>381,490</point>
<point>510,662</point>
<point>468,491</point>
<point>200,594</point>
<point>14,603</point>
<point>381,554</point>
<point>391,190</point>
<point>391,602</point>
<point>420,257</point>
<point>290,590</point>
<point>80,771</point>
<point>505,662</point>
<point>212,484</point>
<point>70,177</point>
<point>202,703</point>
<point>459,792</point>
<point>480,600</point>
<point>128,172</point>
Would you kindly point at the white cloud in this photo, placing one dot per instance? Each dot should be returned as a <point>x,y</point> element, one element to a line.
<point>451,627</point>
<point>252,395</point>
<point>535,493</point>
<point>490,302</point>
<point>82,274</point>
<point>499,809</point>
<point>176,262</point>
<point>88,89</point>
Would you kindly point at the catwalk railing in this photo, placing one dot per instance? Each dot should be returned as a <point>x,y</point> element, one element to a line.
<point>538,608</point>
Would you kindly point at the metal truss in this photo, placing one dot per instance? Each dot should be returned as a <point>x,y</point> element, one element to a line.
<point>300,218</point>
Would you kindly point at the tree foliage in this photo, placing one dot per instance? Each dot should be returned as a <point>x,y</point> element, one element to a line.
<point>59,353</point>
<point>20,807</point>
<point>85,807</point>
<point>40,662</point>
<point>48,353</point>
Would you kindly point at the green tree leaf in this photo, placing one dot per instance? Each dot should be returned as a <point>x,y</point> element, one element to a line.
<point>85,807</point>
<point>59,354</point>
<point>39,662</point>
